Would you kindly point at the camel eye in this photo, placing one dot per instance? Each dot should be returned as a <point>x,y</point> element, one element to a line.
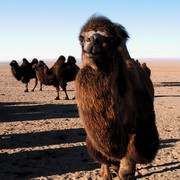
<point>81,38</point>
<point>88,39</point>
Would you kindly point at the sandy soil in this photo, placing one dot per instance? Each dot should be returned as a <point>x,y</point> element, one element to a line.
<point>42,138</point>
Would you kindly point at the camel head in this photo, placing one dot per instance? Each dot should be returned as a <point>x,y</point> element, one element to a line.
<point>14,64</point>
<point>100,39</point>
<point>16,70</point>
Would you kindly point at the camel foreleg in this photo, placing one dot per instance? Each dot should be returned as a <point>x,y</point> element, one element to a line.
<point>40,87</point>
<point>35,84</point>
<point>26,88</point>
<point>105,173</point>
<point>57,90</point>
<point>63,85</point>
<point>66,98</point>
<point>127,169</point>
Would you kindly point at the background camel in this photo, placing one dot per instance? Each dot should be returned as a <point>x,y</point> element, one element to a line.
<point>58,75</point>
<point>144,67</point>
<point>115,101</point>
<point>24,72</point>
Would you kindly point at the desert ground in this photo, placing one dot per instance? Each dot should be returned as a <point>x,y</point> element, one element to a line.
<point>43,139</point>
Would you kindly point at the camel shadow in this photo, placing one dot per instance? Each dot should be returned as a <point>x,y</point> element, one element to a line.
<point>45,138</point>
<point>29,155</point>
<point>165,143</point>
<point>31,163</point>
<point>159,96</point>
<point>166,84</point>
<point>11,112</point>
<point>170,166</point>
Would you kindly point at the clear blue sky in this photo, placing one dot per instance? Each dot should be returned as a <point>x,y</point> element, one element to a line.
<point>46,29</point>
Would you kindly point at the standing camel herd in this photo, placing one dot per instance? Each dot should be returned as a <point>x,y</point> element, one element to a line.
<point>114,94</point>
<point>58,75</point>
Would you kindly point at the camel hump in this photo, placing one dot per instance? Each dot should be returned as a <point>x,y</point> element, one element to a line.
<point>71,60</point>
<point>34,61</point>
<point>61,58</point>
<point>25,62</point>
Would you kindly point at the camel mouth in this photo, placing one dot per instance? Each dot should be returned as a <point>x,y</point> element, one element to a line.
<point>91,55</point>
<point>93,44</point>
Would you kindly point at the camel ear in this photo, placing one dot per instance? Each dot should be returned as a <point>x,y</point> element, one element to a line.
<point>121,34</point>
<point>118,41</point>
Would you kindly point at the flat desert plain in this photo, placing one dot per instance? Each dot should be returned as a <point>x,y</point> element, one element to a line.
<point>43,139</point>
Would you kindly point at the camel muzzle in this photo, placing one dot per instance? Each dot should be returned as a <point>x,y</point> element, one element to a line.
<point>94,44</point>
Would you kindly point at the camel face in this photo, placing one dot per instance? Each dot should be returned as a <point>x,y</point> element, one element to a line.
<point>16,70</point>
<point>93,43</point>
<point>99,39</point>
<point>96,47</point>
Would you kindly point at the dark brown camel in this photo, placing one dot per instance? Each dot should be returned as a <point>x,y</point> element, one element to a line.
<point>115,101</point>
<point>144,67</point>
<point>25,72</point>
<point>58,75</point>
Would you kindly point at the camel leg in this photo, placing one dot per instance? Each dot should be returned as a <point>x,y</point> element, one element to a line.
<point>97,156</point>
<point>127,169</point>
<point>35,84</point>
<point>105,173</point>
<point>63,85</point>
<point>40,87</point>
<point>57,90</point>
<point>66,98</point>
<point>26,88</point>
<point>115,168</point>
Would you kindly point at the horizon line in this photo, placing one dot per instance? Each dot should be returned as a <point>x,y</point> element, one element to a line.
<point>79,59</point>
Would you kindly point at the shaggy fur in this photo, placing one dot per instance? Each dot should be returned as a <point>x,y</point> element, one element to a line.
<point>58,75</point>
<point>24,72</point>
<point>115,101</point>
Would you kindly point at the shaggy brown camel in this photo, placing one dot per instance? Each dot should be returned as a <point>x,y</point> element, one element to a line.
<point>115,101</point>
<point>25,72</point>
<point>58,75</point>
